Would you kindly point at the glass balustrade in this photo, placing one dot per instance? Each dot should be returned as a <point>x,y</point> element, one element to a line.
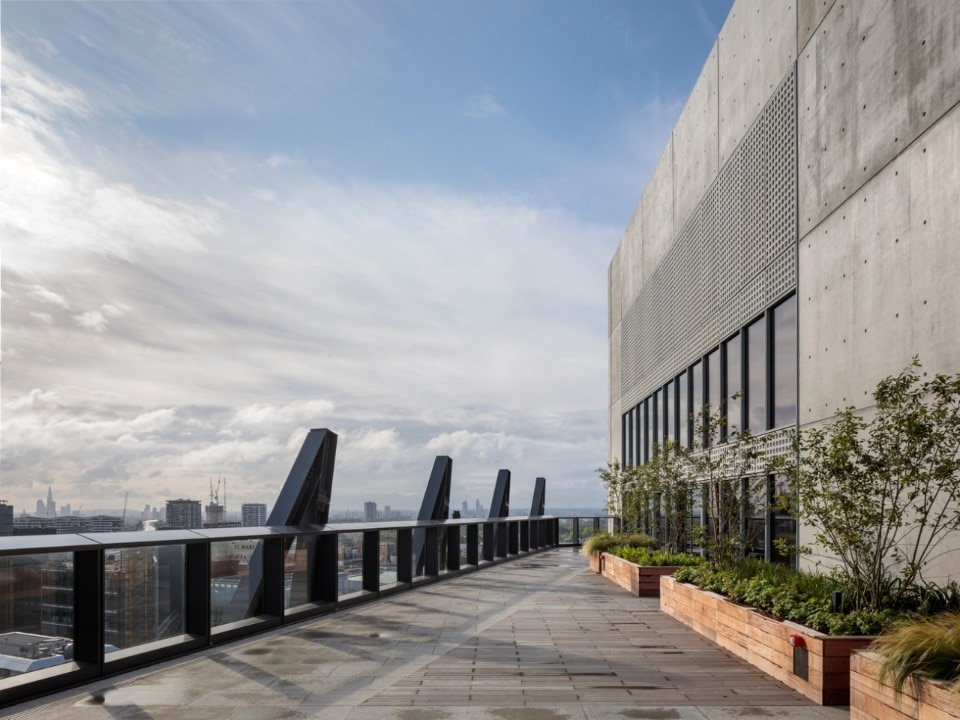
<point>83,607</point>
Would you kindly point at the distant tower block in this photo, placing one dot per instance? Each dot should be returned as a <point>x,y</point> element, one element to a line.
<point>253,514</point>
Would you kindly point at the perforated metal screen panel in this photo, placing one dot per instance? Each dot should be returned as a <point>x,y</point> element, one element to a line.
<point>735,256</point>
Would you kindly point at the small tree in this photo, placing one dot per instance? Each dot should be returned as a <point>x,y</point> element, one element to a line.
<point>882,492</point>
<point>640,502</point>
<point>616,479</point>
<point>667,482</point>
<point>733,474</point>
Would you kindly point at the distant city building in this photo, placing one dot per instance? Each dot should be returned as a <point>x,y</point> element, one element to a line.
<point>22,652</point>
<point>370,512</point>
<point>216,514</point>
<point>464,509</point>
<point>253,514</point>
<point>101,523</point>
<point>6,519</point>
<point>66,524</point>
<point>65,510</point>
<point>387,513</point>
<point>41,508</point>
<point>183,513</point>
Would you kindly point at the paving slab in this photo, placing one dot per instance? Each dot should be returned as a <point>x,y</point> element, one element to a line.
<point>538,638</point>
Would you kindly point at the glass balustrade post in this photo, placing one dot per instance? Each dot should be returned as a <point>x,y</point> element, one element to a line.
<point>327,566</point>
<point>501,540</point>
<point>432,549</point>
<point>198,590</point>
<point>405,555</point>
<point>453,548</point>
<point>273,556</point>
<point>371,561</point>
<point>488,548</point>
<point>88,589</point>
<point>473,543</point>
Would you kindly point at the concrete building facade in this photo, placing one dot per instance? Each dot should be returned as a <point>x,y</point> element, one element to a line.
<point>183,513</point>
<point>253,514</point>
<point>799,239</point>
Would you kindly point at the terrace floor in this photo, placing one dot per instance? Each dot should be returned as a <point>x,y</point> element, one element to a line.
<point>539,638</point>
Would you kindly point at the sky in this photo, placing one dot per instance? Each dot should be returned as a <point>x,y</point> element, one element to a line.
<point>225,223</point>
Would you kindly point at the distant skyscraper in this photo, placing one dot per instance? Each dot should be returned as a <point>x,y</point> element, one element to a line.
<point>253,514</point>
<point>65,510</point>
<point>465,509</point>
<point>51,505</point>
<point>41,508</point>
<point>370,512</point>
<point>183,513</point>
<point>386,512</point>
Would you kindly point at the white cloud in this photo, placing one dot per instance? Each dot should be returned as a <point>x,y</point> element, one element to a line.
<point>263,195</point>
<point>48,296</point>
<point>369,441</point>
<point>483,105</point>
<point>27,90</point>
<point>412,320</point>
<point>278,160</point>
<point>227,456</point>
<point>265,415</point>
<point>92,320</point>
<point>33,398</point>
<point>481,445</point>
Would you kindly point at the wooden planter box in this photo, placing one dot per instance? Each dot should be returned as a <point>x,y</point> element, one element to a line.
<point>765,642</point>
<point>595,561</point>
<point>641,580</point>
<point>869,698</point>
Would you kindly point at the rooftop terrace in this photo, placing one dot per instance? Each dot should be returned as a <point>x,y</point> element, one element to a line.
<point>538,638</point>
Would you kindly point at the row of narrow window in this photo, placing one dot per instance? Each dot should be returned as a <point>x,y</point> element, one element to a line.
<point>750,379</point>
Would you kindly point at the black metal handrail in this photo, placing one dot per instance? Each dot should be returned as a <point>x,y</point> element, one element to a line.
<point>485,541</point>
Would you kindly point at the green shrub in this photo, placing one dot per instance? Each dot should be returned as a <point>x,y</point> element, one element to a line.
<point>927,649</point>
<point>605,542</point>
<point>646,556</point>
<point>786,594</point>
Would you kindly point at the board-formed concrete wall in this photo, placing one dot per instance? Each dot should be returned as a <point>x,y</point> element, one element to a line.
<point>877,198</point>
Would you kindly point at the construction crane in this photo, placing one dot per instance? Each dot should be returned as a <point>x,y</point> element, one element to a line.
<point>215,496</point>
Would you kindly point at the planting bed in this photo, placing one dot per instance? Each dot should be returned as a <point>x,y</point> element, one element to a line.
<point>765,642</point>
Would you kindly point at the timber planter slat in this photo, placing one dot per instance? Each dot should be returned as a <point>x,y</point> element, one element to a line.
<point>919,700</point>
<point>640,580</point>
<point>765,642</point>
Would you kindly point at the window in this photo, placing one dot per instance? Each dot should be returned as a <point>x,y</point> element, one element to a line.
<point>714,384</point>
<point>623,438</point>
<point>638,435</point>
<point>696,395</point>
<point>733,385</point>
<point>683,411</point>
<point>669,413</point>
<point>645,438</point>
<point>757,376</point>
<point>654,423</point>
<point>784,379</point>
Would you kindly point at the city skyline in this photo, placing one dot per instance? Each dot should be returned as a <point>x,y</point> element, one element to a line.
<point>476,508</point>
<point>228,224</point>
